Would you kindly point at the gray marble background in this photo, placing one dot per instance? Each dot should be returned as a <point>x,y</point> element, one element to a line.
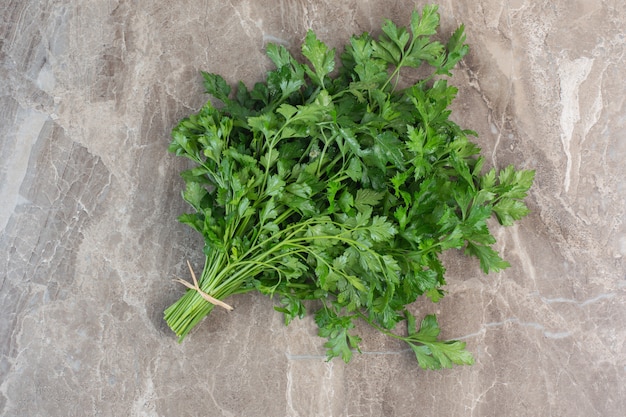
<point>89,243</point>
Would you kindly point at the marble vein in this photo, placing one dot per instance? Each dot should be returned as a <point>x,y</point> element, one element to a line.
<point>572,74</point>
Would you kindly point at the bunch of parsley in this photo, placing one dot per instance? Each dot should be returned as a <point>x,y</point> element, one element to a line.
<point>339,186</point>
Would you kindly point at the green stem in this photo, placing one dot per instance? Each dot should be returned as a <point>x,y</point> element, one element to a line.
<point>382,329</point>
<point>221,278</point>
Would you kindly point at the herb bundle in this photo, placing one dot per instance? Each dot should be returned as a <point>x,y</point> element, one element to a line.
<point>339,186</point>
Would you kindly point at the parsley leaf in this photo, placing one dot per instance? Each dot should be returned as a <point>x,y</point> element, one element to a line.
<point>322,59</point>
<point>430,352</point>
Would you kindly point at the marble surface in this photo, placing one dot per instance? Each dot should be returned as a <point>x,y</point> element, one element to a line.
<point>89,243</point>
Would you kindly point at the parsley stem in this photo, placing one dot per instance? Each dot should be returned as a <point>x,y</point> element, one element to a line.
<point>380,328</point>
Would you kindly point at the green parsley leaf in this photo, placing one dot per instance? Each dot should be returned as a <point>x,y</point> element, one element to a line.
<point>430,352</point>
<point>322,59</point>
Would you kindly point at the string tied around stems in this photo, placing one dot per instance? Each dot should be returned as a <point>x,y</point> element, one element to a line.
<point>197,288</point>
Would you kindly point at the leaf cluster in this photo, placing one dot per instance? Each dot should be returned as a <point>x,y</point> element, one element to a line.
<point>336,185</point>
